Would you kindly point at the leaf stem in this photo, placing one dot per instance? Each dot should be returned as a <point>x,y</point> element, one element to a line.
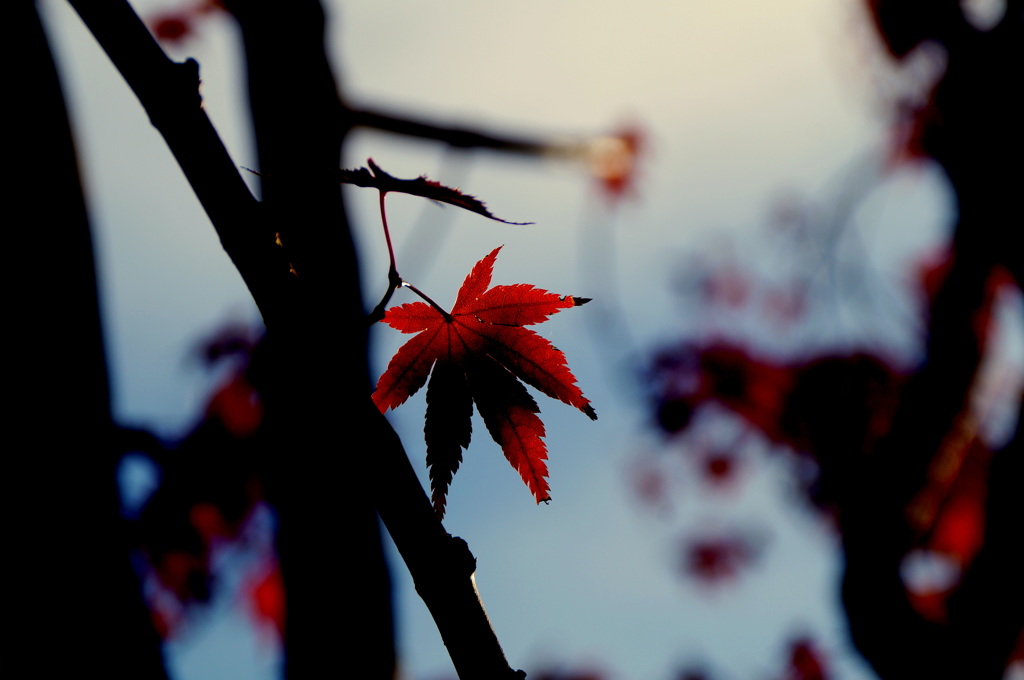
<point>440,310</point>
<point>393,270</point>
<point>394,278</point>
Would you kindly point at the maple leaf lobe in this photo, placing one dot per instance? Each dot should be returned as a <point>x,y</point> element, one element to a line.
<point>447,429</point>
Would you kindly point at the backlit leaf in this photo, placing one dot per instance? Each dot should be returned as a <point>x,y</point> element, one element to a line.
<point>376,178</point>
<point>478,353</point>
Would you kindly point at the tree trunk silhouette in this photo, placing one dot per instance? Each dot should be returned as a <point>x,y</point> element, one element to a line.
<point>78,604</point>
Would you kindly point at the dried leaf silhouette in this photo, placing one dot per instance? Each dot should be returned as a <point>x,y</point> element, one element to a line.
<point>376,178</point>
<point>477,353</point>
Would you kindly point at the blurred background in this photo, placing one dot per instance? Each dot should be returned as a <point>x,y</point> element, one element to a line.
<point>771,207</point>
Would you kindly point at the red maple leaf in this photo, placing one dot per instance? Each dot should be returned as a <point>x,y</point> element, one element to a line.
<point>474,354</point>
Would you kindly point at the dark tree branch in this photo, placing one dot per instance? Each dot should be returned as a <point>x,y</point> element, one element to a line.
<point>169,92</point>
<point>310,348</point>
<point>465,138</point>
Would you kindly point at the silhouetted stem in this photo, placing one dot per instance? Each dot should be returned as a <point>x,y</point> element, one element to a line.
<point>392,270</point>
<point>394,279</point>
